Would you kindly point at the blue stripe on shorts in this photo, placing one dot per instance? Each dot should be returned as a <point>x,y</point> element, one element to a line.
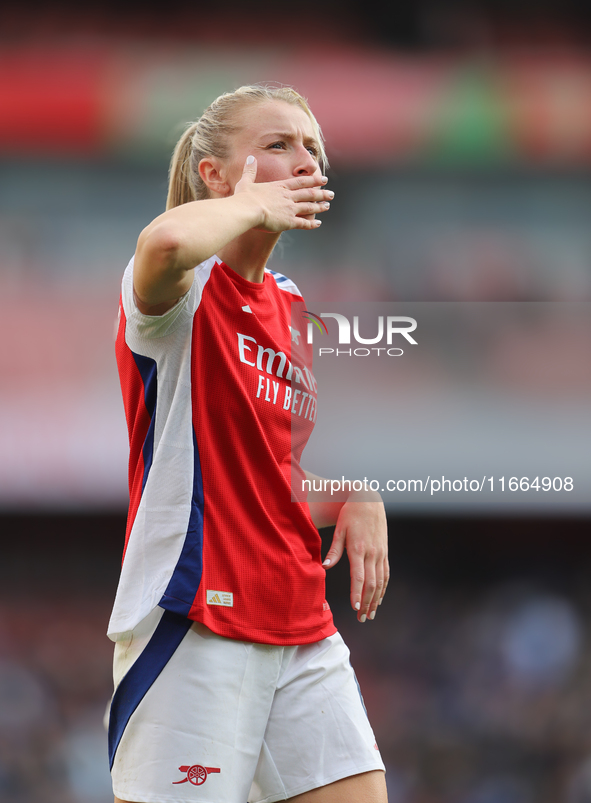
<point>171,630</point>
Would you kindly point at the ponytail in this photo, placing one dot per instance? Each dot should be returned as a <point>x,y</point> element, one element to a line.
<point>180,190</point>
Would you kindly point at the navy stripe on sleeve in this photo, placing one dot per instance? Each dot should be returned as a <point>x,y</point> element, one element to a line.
<point>186,578</point>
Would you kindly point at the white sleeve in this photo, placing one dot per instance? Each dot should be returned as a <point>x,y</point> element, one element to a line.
<point>152,326</point>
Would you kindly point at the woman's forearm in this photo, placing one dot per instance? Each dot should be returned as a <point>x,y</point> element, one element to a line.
<point>175,242</point>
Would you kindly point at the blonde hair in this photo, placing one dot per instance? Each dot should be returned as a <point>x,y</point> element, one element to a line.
<point>210,136</point>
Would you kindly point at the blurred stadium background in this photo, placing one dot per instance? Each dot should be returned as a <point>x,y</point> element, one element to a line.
<point>459,135</point>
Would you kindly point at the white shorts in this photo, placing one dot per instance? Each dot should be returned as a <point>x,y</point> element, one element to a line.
<point>199,717</point>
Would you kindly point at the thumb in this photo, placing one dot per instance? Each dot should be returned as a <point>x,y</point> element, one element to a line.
<point>250,169</point>
<point>337,547</point>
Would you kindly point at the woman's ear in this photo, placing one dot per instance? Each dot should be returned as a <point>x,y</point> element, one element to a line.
<point>213,175</point>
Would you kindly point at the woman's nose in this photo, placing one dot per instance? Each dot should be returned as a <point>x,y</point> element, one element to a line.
<point>306,164</point>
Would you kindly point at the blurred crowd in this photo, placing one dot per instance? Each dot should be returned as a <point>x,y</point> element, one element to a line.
<point>476,694</point>
<point>55,682</point>
<point>482,696</point>
<point>421,25</point>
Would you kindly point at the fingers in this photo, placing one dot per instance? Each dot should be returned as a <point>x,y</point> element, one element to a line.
<point>250,169</point>
<point>386,573</point>
<point>310,201</point>
<point>357,583</point>
<point>363,590</point>
<point>249,174</point>
<point>303,209</point>
<point>306,223</point>
<point>314,194</point>
<point>369,579</point>
<point>286,204</point>
<point>337,547</point>
<point>301,182</point>
<point>304,215</point>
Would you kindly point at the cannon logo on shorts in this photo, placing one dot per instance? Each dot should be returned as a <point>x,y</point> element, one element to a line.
<point>196,774</point>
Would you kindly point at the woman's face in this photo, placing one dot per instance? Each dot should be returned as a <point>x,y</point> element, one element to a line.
<point>282,138</point>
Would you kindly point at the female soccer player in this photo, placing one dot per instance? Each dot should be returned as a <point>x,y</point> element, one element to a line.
<point>229,673</point>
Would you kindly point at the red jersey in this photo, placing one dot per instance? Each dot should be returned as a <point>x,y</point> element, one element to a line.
<point>220,401</point>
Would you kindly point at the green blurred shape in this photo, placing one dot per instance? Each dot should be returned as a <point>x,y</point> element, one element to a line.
<point>470,125</point>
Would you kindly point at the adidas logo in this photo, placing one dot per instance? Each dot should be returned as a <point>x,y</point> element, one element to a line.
<point>224,598</point>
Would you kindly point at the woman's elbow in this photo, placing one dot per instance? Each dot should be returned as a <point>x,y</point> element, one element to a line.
<point>159,244</point>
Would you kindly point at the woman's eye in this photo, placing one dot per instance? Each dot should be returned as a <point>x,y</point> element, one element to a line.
<point>278,145</point>
<point>313,151</point>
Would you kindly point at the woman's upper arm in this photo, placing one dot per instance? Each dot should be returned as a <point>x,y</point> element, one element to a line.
<point>141,326</point>
<point>159,279</point>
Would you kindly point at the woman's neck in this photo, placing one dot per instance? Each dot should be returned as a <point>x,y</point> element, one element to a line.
<point>249,253</point>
